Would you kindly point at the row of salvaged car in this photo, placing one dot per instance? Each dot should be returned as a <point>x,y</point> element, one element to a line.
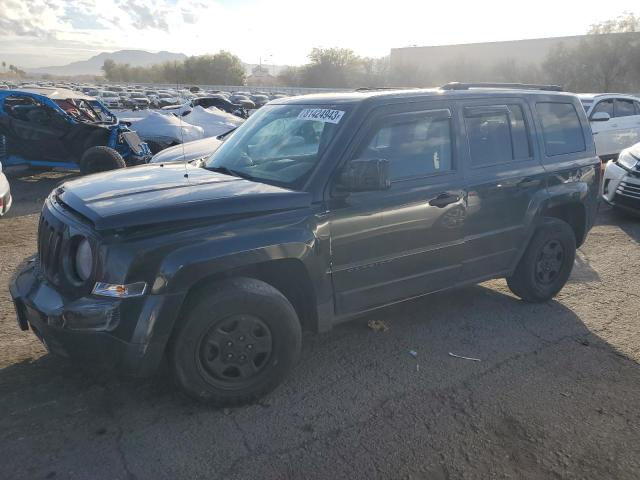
<point>141,97</point>
<point>55,127</point>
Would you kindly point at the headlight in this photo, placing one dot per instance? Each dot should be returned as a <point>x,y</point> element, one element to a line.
<point>626,160</point>
<point>83,261</point>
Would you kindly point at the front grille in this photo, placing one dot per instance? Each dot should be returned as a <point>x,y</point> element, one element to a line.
<point>628,194</point>
<point>629,189</point>
<point>50,240</point>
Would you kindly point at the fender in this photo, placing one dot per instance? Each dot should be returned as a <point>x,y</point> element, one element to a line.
<point>303,239</point>
<point>545,199</point>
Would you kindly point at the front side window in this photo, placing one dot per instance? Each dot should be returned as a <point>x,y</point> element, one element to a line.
<point>605,106</point>
<point>279,144</point>
<point>497,134</point>
<point>561,128</point>
<point>415,145</point>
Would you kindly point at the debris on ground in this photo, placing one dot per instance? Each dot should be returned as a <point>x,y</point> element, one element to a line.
<point>377,325</point>
<point>464,358</point>
<point>414,354</point>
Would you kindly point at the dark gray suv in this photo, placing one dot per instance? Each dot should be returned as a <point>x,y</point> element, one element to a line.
<point>316,209</point>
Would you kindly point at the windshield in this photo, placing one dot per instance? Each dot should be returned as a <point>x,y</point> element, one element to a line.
<point>279,144</point>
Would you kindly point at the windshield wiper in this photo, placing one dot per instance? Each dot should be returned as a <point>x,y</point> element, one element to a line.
<point>226,134</point>
<point>230,171</point>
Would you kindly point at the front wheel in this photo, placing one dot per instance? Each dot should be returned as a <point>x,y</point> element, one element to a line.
<point>239,339</point>
<point>100,159</point>
<point>546,264</point>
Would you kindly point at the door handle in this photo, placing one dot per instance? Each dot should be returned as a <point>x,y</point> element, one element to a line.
<point>443,200</point>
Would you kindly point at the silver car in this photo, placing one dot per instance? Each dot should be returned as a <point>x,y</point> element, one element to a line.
<point>621,182</point>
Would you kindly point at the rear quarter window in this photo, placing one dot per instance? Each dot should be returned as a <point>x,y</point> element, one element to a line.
<point>561,128</point>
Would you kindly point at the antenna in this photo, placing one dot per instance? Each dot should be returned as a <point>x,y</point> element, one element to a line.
<point>184,161</point>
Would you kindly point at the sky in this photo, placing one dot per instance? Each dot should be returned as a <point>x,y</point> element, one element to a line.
<point>36,33</point>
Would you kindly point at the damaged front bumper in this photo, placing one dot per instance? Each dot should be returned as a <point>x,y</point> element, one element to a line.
<point>621,188</point>
<point>128,336</point>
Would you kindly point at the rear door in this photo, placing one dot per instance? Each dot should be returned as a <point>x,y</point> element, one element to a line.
<point>406,241</point>
<point>627,117</point>
<point>502,174</point>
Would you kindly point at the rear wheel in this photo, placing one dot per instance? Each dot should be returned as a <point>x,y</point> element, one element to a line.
<point>238,341</point>
<point>100,159</point>
<point>546,264</point>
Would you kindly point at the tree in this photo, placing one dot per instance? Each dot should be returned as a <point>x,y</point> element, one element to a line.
<point>608,59</point>
<point>290,77</point>
<point>331,67</point>
<point>223,68</point>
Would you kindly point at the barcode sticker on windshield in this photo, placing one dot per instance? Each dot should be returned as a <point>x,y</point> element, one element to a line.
<point>321,115</point>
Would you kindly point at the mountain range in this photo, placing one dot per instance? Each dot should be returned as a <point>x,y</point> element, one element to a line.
<point>93,66</point>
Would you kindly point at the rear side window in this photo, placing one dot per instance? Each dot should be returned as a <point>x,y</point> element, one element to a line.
<point>415,145</point>
<point>497,134</point>
<point>624,108</point>
<point>561,128</point>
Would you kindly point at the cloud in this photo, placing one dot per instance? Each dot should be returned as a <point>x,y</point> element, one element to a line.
<point>143,16</point>
<point>18,19</point>
<point>24,27</point>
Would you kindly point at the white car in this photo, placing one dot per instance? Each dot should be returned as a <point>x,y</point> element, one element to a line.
<point>110,99</point>
<point>5,194</point>
<point>621,182</point>
<point>615,121</point>
<point>188,151</point>
<point>159,130</point>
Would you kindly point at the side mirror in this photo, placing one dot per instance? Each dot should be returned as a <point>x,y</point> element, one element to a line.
<point>600,117</point>
<point>365,176</point>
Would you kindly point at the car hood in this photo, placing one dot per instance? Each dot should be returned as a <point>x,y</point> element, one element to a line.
<point>188,151</point>
<point>152,194</point>
<point>634,150</point>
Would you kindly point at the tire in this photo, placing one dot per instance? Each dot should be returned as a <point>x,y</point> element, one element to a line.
<point>100,159</point>
<point>242,317</point>
<point>546,264</point>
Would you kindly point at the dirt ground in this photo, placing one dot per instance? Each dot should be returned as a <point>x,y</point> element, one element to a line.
<point>555,394</point>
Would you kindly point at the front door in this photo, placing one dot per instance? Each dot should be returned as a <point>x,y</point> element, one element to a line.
<point>405,241</point>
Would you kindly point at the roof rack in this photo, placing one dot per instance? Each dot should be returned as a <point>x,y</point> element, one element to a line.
<point>373,89</point>
<point>518,86</point>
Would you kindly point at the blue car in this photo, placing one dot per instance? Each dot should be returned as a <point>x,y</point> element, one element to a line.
<point>53,127</point>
